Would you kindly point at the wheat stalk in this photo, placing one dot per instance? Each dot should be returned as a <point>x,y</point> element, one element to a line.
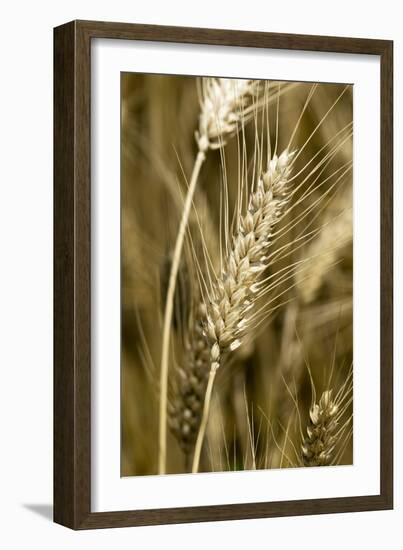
<point>186,408</point>
<point>319,445</point>
<point>324,445</point>
<point>234,294</point>
<point>232,298</point>
<point>225,104</point>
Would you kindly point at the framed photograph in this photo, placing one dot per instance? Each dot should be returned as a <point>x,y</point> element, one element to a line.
<point>222,275</point>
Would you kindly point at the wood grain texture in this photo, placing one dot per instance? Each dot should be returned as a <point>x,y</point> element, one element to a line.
<point>64,382</point>
<point>72,274</point>
<point>386,282</point>
<point>72,296</point>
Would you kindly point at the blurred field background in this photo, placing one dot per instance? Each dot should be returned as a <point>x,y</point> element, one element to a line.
<point>262,397</point>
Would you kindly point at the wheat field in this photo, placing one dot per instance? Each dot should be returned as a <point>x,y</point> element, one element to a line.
<point>237,274</point>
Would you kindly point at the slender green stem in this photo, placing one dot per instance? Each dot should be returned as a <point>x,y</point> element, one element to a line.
<point>204,420</point>
<point>169,310</point>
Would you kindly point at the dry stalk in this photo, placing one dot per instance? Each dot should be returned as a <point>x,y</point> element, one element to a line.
<point>225,104</point>
<point>190,380</point>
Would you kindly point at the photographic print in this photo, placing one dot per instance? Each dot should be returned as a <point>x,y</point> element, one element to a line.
<point>236,274</point>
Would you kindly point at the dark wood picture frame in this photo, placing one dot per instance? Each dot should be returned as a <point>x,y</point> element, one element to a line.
<point>72,268</point>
